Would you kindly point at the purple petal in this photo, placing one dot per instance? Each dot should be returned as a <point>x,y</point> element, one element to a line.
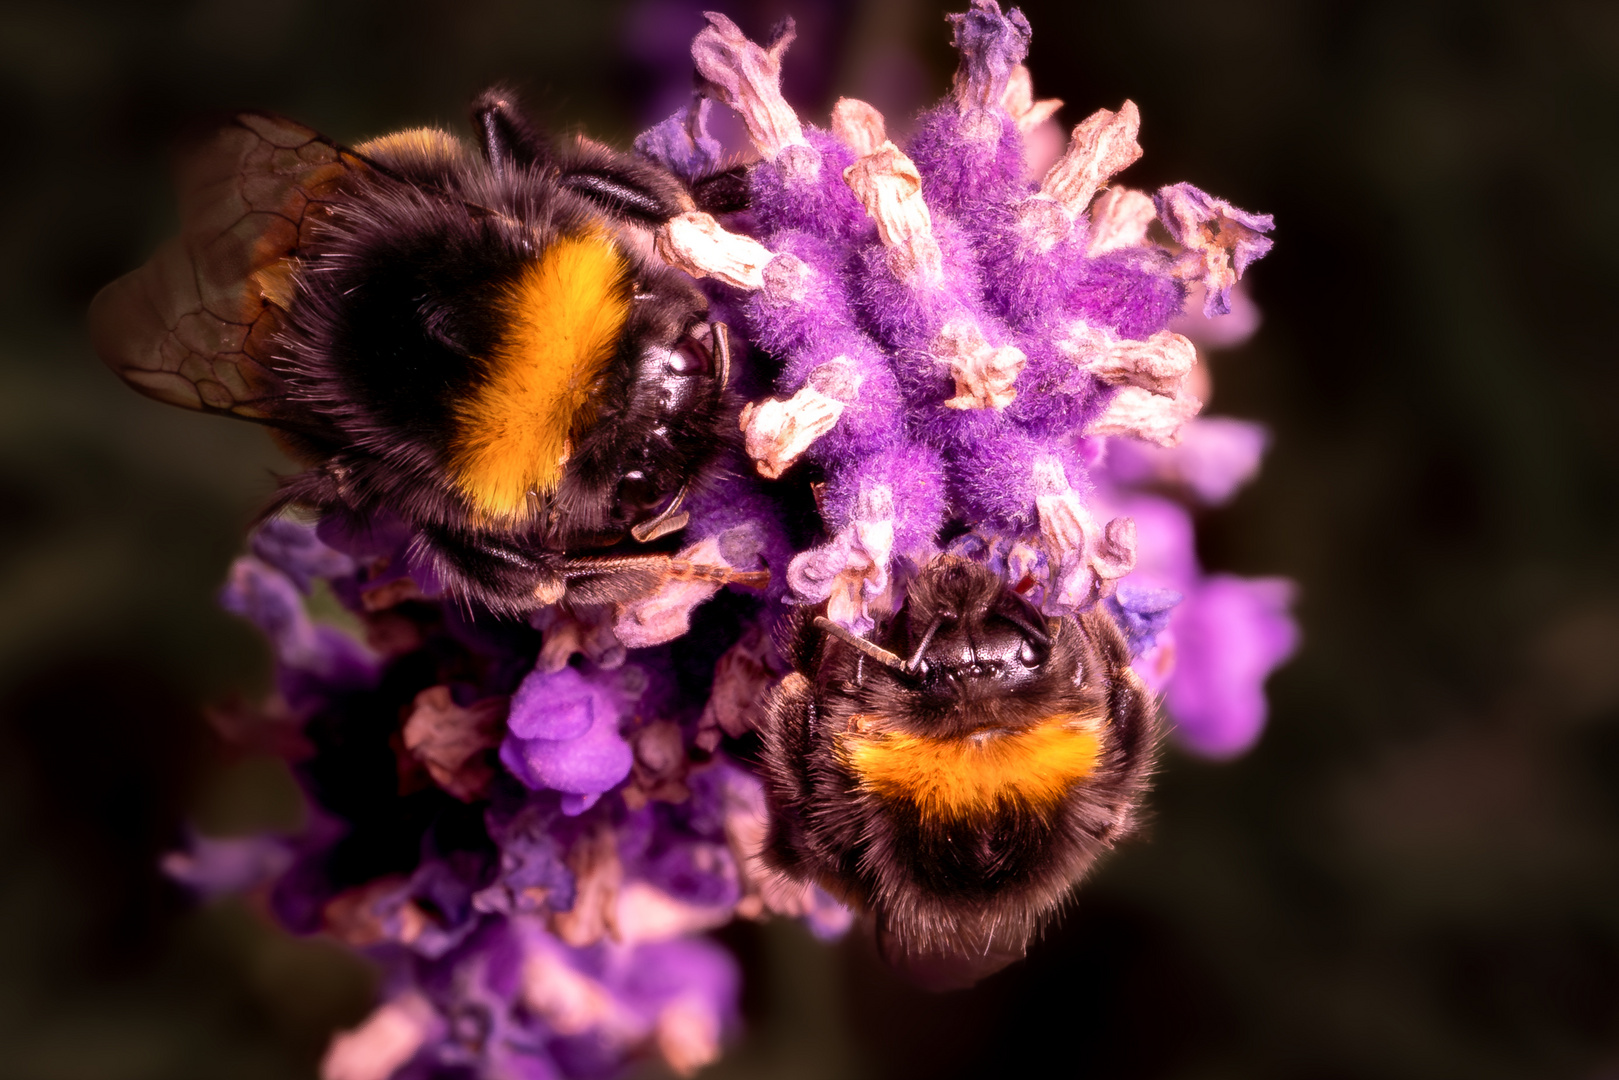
<point>1229,636</point>
<point>228,865</point>
<point>591,759</point>
<point>1217,455</point>
<point>294,549</point>
<point>681,143</point>
<point>557,705</point>
<point>1142,613</point>
<point>574,805</point>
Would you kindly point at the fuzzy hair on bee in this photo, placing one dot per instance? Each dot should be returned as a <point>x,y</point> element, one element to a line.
<point>477,339</point>
<point>959,772</point>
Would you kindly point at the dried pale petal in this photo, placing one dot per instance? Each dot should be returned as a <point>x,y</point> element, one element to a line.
<point>984,374</point>
<point>1115,554</point>
<point>661,764</point>
<point>1142,414</point>
<point>850,571</point>
<point>666,614</point>
<point>647,913</point>
<point>859,126</point>
<point>268,727</point>
<point>383,1042</point>
<point>1066,527</point>
<point>889,187</point>
<point>776,432</point>
<point>787,279</point>
<point>1159,365</point>
<point>570,1001</point>
<point>1018,100</point>
<point>1102,144</point>
<point>742,677</point>
<point>1220,240</point>
<point>1069,534</point>
<point>748,79</point>
<point>451,741</point>
<point>699,245</point>
<point>598,875</point>
<point>688,1034</point>
<point>1120,218</point>
<point>379,911</point>
<point>582,629</point>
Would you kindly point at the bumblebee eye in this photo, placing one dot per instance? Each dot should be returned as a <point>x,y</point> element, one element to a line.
<point>690,357</point>
<point>636,493</point>
<point>1029,656</point>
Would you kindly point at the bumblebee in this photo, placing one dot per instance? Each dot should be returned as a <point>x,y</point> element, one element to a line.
<point>957,773</point>
<point>478,340</point>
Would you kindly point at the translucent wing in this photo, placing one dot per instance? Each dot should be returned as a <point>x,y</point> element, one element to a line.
<point>193,326</point>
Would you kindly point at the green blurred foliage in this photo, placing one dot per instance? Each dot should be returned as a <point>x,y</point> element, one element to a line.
<point>1414,875</point>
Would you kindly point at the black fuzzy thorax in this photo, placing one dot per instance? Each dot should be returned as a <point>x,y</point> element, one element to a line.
<point>399,306</point>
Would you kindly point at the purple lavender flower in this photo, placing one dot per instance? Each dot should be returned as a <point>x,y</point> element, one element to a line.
<point>1229,635</point>
<point>563,734</point>
<point>1217,455</point>
<point>1210,654</point>
<point>1014,318</point>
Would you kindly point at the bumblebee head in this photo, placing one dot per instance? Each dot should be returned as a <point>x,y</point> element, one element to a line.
<point>964,656</point>
<point>967,637</point>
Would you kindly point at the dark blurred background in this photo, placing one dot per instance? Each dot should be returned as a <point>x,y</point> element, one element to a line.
<point>1415,874</point>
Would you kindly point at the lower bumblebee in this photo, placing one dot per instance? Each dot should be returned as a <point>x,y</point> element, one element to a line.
<point>477,340</point>
<point>960,771</point>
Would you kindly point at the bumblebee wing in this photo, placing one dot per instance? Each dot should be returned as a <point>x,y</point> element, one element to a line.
<point>193,327</point>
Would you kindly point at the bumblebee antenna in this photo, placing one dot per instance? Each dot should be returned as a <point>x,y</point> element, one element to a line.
<point>1040,636</point>
<point>850,638</point>
<point>915,662</point>
<point>722,346</point>
<point>666,522</point>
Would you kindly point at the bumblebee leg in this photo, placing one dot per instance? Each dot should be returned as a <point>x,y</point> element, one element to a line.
<point>500,576</point>
<point>722,192</point>
<point>623,578</point>
<point>508,140</point>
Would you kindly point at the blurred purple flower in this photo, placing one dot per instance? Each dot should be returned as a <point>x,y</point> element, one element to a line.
<point>1216,456</point>
<point>213,866</point>
<point>1229,635</point>
<point>1221,642</point>
<point>563,735</point>
<point>312,659</point>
